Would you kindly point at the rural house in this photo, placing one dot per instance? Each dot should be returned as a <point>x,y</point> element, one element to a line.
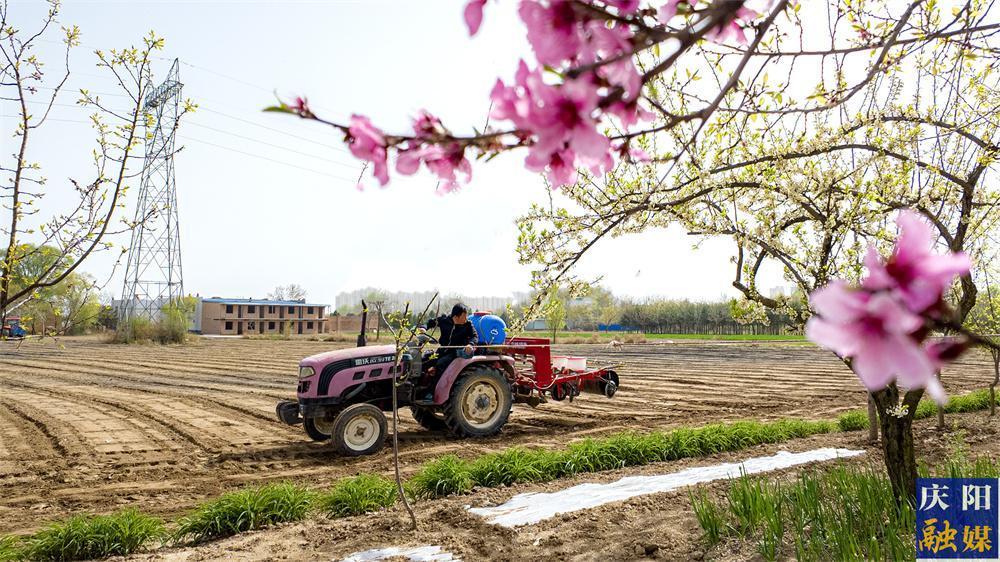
<point>236,317</point>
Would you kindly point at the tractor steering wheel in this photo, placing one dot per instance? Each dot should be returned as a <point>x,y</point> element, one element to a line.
<point>423,337</point>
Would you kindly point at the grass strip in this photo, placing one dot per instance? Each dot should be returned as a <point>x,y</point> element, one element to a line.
<point>974,401</point>
<point>84,537</point>
<point>452,475</point>
<point>843,513</point>
<point>245,510</point>
<point>10,548</point>
<point>360,494</point>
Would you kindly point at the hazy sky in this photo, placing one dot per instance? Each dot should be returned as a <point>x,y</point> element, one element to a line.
<point>266,199</point>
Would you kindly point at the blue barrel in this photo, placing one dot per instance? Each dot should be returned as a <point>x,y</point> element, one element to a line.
<point>491,328</point>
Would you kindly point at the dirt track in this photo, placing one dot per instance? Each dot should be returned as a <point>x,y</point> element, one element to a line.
<point>87,426</point>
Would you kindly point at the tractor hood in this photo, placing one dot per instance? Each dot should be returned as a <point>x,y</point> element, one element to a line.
<point>321,360</point>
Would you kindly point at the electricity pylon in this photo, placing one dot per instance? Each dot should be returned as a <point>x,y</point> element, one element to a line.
<point>153,275</point>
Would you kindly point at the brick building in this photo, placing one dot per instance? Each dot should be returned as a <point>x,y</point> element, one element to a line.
<point>236,317</point>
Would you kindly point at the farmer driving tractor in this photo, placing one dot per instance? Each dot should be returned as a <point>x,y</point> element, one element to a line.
<point>456,331</point>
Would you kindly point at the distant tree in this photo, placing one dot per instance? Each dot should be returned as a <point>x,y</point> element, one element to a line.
<point>69,307</point>
<point>555,314</point>
<point>70,236</point>
<point>290,292</point>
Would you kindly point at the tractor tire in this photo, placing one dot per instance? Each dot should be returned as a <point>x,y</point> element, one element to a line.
<point>428,419</point>
<point>479,403</point>
<point>318,429</point>
<point>359,429</point>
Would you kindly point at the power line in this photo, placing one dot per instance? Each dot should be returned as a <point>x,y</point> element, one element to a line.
<point>278,146</point>
<point>187,138</point>
<point>251,139</point>
<point>334,147</point>
<point>230,149</point>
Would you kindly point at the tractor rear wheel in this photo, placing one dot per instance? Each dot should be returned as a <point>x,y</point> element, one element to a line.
<point>428,419</point>
<point>360,429</point>
<point>479,403</point>
<point>318,429</point>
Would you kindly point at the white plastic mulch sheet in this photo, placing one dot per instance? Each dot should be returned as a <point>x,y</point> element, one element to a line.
<point>525,509</point>
<point>414,553</point>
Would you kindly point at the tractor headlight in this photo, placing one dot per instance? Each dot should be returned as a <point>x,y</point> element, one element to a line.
<point>306,372</point>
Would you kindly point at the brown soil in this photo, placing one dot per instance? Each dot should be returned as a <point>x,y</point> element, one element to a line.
<point>658,526</point>
<point>88,426</point>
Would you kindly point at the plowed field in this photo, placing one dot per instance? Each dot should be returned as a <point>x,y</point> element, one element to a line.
<point>87,426</point>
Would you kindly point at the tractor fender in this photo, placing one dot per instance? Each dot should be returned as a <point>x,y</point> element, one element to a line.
<point>443,388</point>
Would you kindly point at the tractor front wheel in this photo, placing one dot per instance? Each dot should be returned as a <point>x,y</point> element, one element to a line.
<point>318,429</point>
<point>479,403</point>
<point>360,430</point>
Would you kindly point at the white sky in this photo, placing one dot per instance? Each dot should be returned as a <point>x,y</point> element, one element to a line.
<point>249,223</point>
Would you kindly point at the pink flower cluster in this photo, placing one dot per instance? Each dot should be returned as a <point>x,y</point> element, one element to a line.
<point>882,326</point>
<point>368,143</point>
<point>561,121</point>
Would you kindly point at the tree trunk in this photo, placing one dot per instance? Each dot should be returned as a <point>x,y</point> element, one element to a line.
<point>873,426</point>
<point>897,440</point>
<point>996,379</point>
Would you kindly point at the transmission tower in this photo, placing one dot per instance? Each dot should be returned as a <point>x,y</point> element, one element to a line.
<point>153,275</point>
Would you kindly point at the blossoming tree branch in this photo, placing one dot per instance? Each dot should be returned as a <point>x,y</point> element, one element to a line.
<point>593,60</point>
<point>799,132</point>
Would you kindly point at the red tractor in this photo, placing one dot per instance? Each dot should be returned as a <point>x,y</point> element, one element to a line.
<point>343,394</point>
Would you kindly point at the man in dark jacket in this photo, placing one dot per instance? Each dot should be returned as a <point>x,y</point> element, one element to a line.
<point>456,332</point>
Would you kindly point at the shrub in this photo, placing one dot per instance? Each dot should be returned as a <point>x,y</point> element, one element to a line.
<point>88,536</point>
<point>245,510</point>
<point>442,477</point>
<point>357,495</point>
<point>172,326</point>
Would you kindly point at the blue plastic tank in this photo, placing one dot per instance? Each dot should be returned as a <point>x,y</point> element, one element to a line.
<point>492,330</point>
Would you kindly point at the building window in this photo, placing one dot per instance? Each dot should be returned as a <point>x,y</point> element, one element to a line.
<point>251,325</point>
<point>229,325</point>
<point>251,309</point>
<point>309,325</point>
<point>229,309</point>
<point>291,310</point>
<point>270,310</point>
<point>270,325</point>
<point>309,310</point>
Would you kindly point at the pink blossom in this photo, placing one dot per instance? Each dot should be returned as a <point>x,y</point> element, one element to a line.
<point>560,117</point>
<point>558,167</point>
<point>300,105</point>
<point>629,113</point>
<point>624,6</point>
<point>474,15</point>
<point>367,142</point>
<point>919,275</point>
<point>613,44</point>
<point>442,161</point>
<point>631,153</point>
<point>941,352</point>
<point>733,29</point>
<point>553,30</point>
<point>426,125</point>
<point>876,332</point>
<point>669,10</point>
